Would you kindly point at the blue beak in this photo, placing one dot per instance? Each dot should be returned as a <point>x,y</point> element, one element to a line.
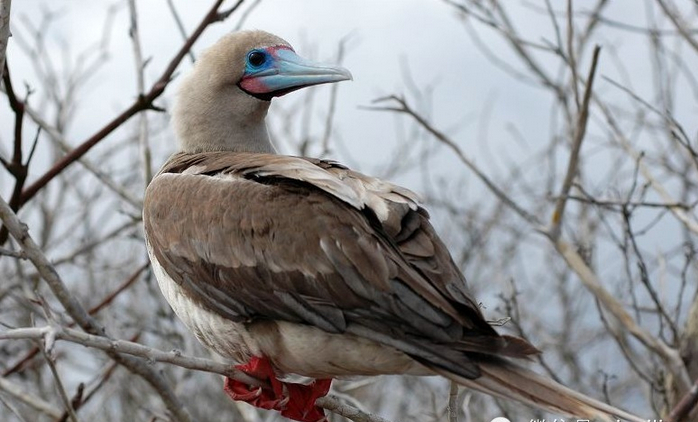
<point>276,71</point>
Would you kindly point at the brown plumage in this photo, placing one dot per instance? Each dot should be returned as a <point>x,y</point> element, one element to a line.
<point>324,271</point>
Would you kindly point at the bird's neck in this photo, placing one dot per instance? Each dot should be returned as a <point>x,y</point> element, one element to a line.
<point>216,122</point>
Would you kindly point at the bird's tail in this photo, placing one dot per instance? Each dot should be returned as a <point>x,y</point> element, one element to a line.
<point>510,381</point>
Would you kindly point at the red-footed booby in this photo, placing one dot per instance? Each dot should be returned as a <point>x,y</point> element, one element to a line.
<point>291,265</point>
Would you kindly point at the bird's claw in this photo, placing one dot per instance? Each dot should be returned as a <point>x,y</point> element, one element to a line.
<point>294,401</point>
<point>283,402</point>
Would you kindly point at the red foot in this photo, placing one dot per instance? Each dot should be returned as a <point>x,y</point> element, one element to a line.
<point>294,401</point>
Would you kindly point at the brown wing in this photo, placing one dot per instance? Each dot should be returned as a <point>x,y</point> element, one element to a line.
<point>419,244</point>
<point>249,243</point>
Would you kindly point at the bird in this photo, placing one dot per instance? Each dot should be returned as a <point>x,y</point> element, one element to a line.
<point>297,266</point>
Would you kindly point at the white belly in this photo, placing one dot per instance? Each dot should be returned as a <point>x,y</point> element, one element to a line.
<point>225,337</point>
<point>292,348</point>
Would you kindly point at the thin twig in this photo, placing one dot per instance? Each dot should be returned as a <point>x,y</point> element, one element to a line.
<point>680,25</point>
<point>59,385</point>
<point>570,254</point>
<point>14,254</point>
<point>333,404</point>
<point>16,167</point>
<point>76,401</point>
<point>332,104</point>
<point>81,398</point>
<point>13,409</point>
<point>580,130</point>
<point>610,203</point>
<point>140,86</point>
<point>570,53</point>
<point>56,136</point>
<point>686,218</point>
<point>246,14</point>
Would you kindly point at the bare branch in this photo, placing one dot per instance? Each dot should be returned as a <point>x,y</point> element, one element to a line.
<point>173,357</point>
<point>106,301</point>
<point>332,103</point>
<point>122,346</point>
<point>687,219</point>
<point>62,143</point>
<point>59,385</point>
<point>14,254</point>
<point>610,203</point>
<point>579,131</point>
<point>568,252</point>
<point>571,54</point>
<point>246,13</point>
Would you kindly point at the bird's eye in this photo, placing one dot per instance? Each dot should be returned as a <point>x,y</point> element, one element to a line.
<point>256,58</point>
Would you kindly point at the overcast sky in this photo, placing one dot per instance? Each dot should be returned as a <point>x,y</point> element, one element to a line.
<point>471,94</point>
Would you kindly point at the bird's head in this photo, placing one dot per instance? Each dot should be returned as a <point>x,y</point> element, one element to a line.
<point>222,103</point>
